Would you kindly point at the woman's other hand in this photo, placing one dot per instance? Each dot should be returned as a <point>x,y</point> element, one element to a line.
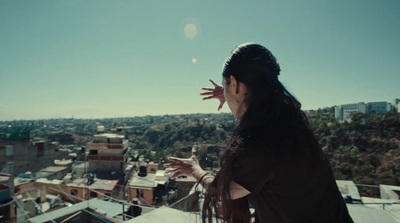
<point>185,167</point>
<point>216,92</point>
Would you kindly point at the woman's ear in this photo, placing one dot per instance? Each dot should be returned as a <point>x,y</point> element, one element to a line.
<point>234,84</point>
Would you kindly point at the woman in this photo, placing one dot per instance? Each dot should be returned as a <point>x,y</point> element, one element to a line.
<point>273,160</point>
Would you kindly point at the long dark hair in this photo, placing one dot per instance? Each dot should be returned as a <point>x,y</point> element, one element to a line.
<point>271,115</point>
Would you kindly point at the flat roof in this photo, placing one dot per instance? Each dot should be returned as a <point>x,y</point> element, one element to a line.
<point>348,188</point>
<point>160,215</point>
<point>53,169</point>
<point>4,179</point>
<point>359,213</point>
<point>20,180</point>
<point>44,180</point>
<point>110,208</point>
<point>109,135</point>
<point>63,162</point>
<point>143,182</point>
<point>103,184</point>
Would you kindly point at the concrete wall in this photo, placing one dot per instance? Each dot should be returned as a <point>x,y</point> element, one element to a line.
<point>27,158</point>
<point>104,166</point>
<point>146,199</point>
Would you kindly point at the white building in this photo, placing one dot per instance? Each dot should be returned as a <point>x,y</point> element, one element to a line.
<point>343,112</point>
<point>397,104</point>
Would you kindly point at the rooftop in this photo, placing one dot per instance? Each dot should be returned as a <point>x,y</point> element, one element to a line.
<point>359,213</point>
<point>348,188</point>
<point>110,135</point>
<point>145,182</point>
<point>111,209</point>
<point>63,162</point>
<point>159,215</point>
<point>53,169</point>
<point>103,184</point>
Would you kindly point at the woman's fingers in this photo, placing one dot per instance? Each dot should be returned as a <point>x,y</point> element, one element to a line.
<point>207,93</point>
<point>208,89</point>
<point>209,97</point>
<point>178,160</point>
<point>174,159</point>
<point>220,105</point>
<point>175,165</point>
<point>177,174</point>
<point>212,82</point>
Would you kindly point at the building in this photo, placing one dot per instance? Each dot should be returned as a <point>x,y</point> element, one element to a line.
<point>6,201</point>
<point>53,172</point>
<point>79,189</point>
<point>108,153</point>
<point>397,104</point>
<point>343,112</point>
<point>26,154</point>
<point>142,188</point>
<point>149,185</point>
<point>95,210</point>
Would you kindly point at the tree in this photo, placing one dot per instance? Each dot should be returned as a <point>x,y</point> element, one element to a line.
<point>354,152</point>
<point>391,122</point>
<point>357,121</point>
<point>375,122</point>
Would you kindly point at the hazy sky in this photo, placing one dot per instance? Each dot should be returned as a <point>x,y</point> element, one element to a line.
<point>122,58</point>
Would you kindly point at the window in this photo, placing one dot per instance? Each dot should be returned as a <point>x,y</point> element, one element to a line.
<point>139,193</point>
<point>9,150</point>
<point>93,194</point>
<point>74,192</point>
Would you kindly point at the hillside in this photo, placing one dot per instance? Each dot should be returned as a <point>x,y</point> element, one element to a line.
<point>366,151</point>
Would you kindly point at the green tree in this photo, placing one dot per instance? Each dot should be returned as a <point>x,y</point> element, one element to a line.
<point>375,122</point>
<point>391,122</point>
<point>357,121</point>
<point>354,152</point>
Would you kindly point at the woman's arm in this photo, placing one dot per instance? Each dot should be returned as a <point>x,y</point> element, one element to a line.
<point>236,190</point>
<point>191,167</point>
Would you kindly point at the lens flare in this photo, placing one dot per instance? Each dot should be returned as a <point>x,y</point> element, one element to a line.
<point>190,30</point>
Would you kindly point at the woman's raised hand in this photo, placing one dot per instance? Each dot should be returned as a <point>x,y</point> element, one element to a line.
<point>185,167</point>
<point>216,92</point>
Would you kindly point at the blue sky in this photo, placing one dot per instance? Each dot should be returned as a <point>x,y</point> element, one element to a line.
<point>103,58</point>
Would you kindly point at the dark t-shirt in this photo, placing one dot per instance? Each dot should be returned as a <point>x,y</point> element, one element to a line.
<point>290,182</point>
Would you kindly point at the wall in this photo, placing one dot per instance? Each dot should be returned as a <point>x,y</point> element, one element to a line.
<point>147,198</point>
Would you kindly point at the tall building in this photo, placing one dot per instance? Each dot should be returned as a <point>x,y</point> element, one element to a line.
<point>108,153</point>
<point>397,104</point>
<point>27,155</point>
<point>343,112</point>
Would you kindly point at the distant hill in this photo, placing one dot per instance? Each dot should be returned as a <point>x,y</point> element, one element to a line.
<point>366,151</point>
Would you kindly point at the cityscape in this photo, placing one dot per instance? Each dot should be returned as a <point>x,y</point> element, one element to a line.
<point>95,96</point>
<point>75,170</point>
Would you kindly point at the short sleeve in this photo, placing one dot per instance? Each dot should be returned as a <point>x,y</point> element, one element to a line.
<point>253,168</point>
